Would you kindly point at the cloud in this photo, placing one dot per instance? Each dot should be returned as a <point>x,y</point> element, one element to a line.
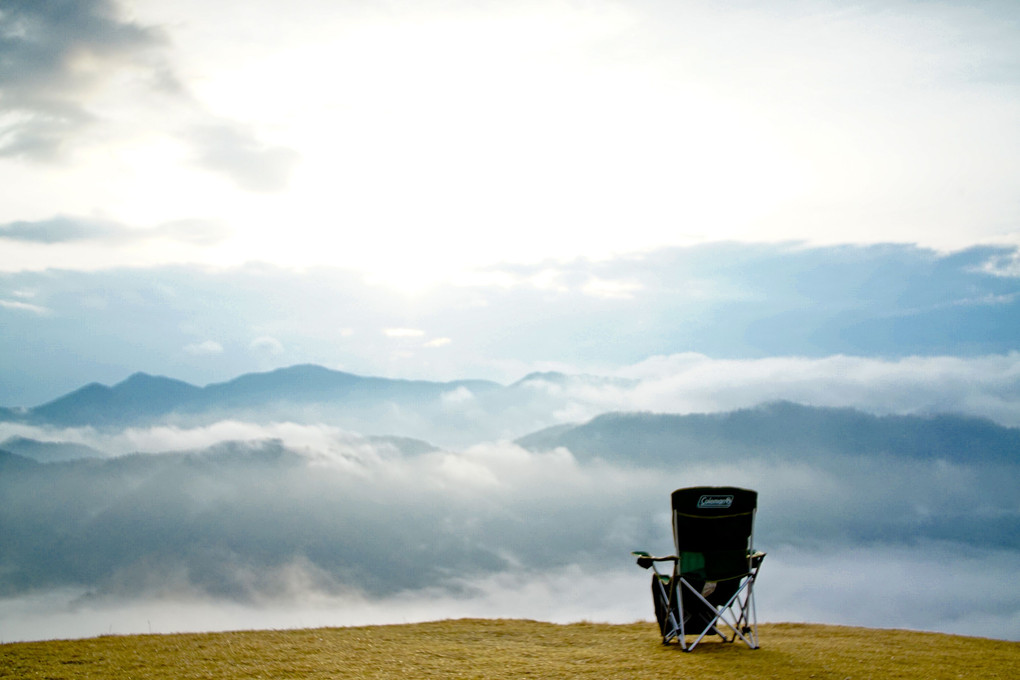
<point>230,149</point>
<point>54,56</point>
<point>165,438</point>
<point>198,232</point>
<point>61,230</point>
<point>25,307</point>
<point>460,395</point>
<point>796,586</point>
<point>265,345</point>
<point>65,229</point>
<point>319,522</point>
<point>136,100</point>
<point>613,290</point>
<point>561,597</point>
<point>403,332</point>
<point>986,386</point>
<point>1006,264</point>
<point>204,348</point>
<point>828,586</point>
<point>67,68</point>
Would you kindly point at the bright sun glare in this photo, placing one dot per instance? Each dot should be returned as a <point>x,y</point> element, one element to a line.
<point>431,148</point>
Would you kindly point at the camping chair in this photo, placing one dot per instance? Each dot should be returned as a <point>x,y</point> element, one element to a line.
<point>711,588</point>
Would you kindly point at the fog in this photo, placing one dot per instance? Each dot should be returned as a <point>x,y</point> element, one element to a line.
<point>926,587</point>
<point>307,526</point>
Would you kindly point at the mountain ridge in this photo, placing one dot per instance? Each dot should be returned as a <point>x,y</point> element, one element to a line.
<point>142,397</point>
<point>781,426</point>
<point>530,412</point>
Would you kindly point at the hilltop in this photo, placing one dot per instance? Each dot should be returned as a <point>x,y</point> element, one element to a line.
<point>497,649</point>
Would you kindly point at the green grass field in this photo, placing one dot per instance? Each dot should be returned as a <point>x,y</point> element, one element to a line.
<point>496,649</point>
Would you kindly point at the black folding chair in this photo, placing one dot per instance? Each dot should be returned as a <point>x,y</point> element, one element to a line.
<point>711,587</point>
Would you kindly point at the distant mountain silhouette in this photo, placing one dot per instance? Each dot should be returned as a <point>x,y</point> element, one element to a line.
<point>310,383</point>
<point>139,396</point>
<point>563,379</point>
<point>144,398</point>
<point>405,446</point>
<point>781,429</point>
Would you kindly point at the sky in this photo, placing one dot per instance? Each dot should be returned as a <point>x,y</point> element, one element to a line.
<point>416,140</point>
<point>204,190</point>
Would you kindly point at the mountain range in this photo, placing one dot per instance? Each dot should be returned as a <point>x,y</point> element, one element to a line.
<point>455,413</point>
<point>404,409</point>
<point>108,493</point>
<point>780,429</point>
<point>143,398</point>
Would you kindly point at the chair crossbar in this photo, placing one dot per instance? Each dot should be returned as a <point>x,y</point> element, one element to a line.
<point>721,612</point>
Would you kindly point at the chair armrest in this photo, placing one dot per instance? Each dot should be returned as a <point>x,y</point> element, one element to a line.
<point>645,560</point>
<point>756,558</point>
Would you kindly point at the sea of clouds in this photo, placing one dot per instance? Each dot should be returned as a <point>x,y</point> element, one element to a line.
<point>285,524</point>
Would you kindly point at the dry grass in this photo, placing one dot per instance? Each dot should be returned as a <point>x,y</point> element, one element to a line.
<point>495,649</point>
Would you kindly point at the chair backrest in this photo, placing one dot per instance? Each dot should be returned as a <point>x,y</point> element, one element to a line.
<point>713,527</point>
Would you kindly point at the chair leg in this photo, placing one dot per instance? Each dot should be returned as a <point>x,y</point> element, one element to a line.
<point>740,623</point>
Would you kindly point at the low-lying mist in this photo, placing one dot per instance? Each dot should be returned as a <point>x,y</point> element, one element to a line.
<point>237,525</point>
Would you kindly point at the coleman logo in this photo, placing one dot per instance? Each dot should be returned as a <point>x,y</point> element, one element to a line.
<point>715,501</point>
